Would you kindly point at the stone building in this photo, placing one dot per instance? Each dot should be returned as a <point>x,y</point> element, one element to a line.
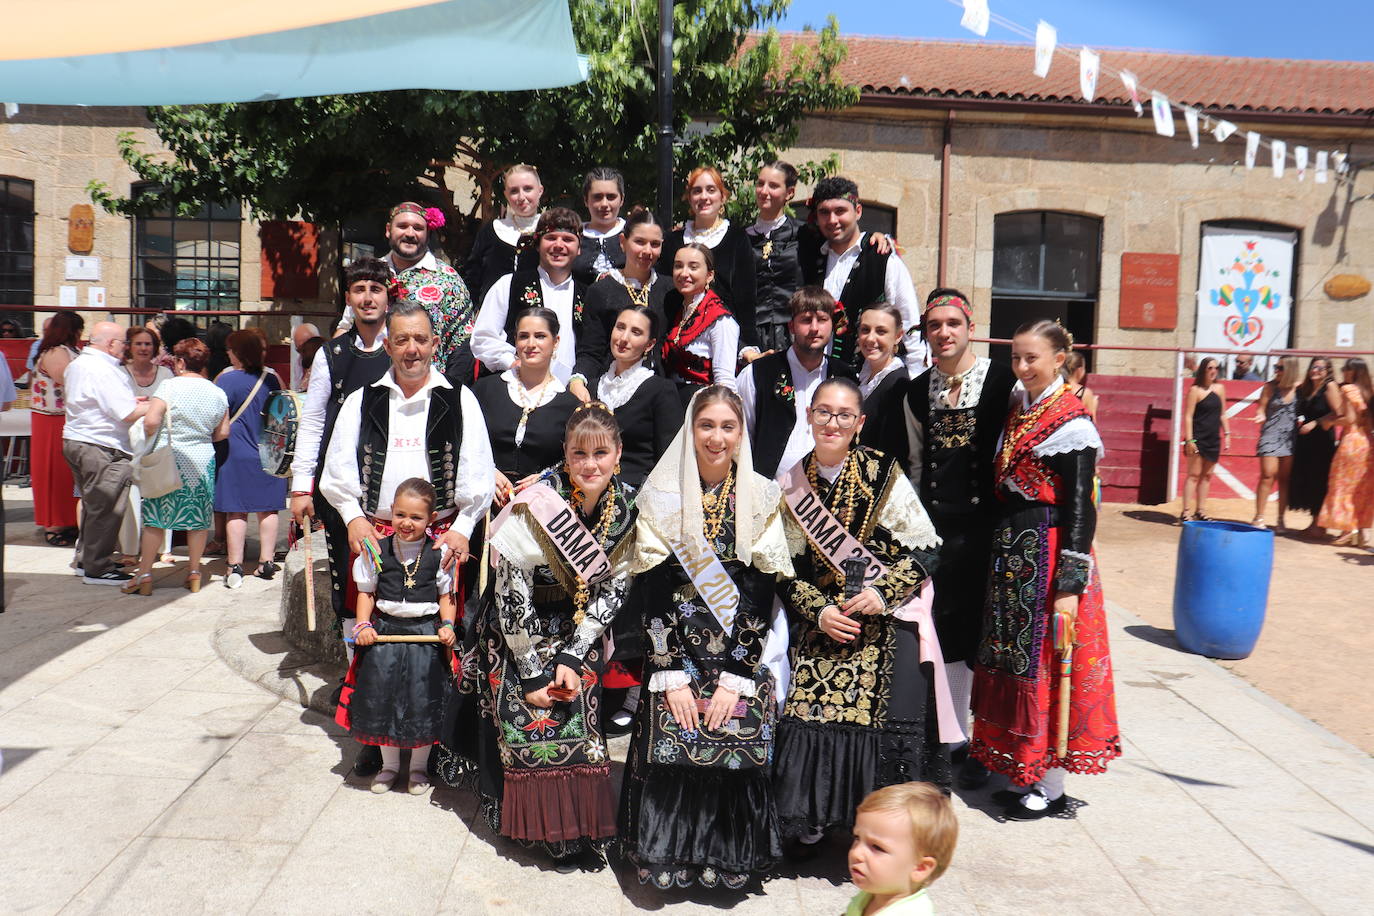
<point>1042,195</point>
<point>1014,161</point>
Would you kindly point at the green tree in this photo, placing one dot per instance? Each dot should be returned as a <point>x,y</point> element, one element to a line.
<point>738,100</point>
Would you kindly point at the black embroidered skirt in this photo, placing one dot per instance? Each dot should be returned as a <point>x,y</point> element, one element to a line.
<point>395,693</point>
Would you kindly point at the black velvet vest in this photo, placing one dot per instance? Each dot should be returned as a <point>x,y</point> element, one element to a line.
<point>584,267</point>
<point>774,413</point>
<point>960,446</point>
<point>527,292</point>
<point>443,437</point>
<point>350,368</point>
<point>391,579</point>
<point>866,285</point>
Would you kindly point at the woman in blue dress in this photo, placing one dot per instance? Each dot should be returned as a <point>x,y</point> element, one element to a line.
<point>196,415</point>
<point>243,486</point>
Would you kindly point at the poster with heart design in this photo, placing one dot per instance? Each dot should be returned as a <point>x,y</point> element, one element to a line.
<point>1245,289</point>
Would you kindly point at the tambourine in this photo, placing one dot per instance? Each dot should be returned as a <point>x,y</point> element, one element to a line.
<point>281,419</point>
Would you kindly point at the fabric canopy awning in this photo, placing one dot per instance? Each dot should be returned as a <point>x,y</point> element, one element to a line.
<point>486,45</point>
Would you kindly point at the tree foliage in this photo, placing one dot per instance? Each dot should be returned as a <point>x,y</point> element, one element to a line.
<point>738,100</point>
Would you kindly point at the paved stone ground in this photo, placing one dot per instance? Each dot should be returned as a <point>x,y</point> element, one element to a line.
<point>149,769</point>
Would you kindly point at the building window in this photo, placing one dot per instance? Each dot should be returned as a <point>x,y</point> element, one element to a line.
<point>875,218</point>
<point>1045,265</point>
<point>188,263</point>
<point>16,249</point>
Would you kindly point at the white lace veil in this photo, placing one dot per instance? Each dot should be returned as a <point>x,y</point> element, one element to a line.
<point>671,497</point>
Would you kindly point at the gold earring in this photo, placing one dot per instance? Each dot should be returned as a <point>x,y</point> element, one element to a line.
<point>617,468</point>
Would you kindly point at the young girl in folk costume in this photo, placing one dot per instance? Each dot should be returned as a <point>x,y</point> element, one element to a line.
<point>860,713</point>
<point>395,693</point>
<point>561,552</point>
<point>697,804</point>
<point>702,343</point>
<point>1042,568</point>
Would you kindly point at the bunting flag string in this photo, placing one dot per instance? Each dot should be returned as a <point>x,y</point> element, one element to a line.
<point>978,16</point>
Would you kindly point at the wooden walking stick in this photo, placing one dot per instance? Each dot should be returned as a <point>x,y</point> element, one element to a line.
<point>309,581</point>
<point>1063,644</point>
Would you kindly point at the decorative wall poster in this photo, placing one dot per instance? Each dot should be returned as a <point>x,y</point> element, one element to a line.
<point>1163,114</point>
<point>1251,148</point>
<point>1278,155</point>
<point>1243,289</point>
<point>1046,37</point>
<point>1323,159</point>
<point>1149,291</point>
<point>1088,69</point>
<point>976,17</point>
<point>1190,118</point>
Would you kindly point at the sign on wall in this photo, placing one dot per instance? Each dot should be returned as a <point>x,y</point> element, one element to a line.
<point>1149,291</point>
<point>1244,286</point>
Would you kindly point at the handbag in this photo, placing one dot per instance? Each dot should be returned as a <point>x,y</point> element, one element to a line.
<point>745,743</point>
<point>155,471</point>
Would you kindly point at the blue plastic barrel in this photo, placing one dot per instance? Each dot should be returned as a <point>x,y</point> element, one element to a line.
<point>1222,587</point>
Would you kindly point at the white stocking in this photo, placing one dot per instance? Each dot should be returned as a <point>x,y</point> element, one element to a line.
<point>1051,785</point>
<point>391,758</point>
<point>419,758</point>
<point>960,677</point>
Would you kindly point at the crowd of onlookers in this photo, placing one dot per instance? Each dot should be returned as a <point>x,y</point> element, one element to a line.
<point>1314,442</point>
<point>151,388</point>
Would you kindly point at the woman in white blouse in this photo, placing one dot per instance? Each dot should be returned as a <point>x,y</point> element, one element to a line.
<point>503,245</point>
<point>883,376</point>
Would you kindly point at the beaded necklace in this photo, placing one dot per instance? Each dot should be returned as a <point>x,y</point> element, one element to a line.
<point>714,505</point>
<point>845,491</point>
<point>1025,424</point>
<point>687,313</point>
<point>638,296</point>
<point>410,570</point>
<point>599,534</point>
<point>527,407</point>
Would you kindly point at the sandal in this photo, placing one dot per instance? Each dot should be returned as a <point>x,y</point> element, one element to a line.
<point>192,583</point>
<point>58,539</point>
<point>142,585</point>
<point>1258,522</point>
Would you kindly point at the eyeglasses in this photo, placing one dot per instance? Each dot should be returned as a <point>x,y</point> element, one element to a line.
<point>820,416</point>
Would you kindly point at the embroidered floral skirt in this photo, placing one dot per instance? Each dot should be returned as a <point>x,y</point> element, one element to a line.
<point>831,752</point>
<point>1016,681</point>
<point>543,775</point>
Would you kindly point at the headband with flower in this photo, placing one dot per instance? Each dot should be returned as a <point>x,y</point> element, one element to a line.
<point>433,216</point>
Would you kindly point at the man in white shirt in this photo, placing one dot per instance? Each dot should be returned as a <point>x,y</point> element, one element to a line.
<point>858,275</point>
<point>339,368</point>
<point>550,285</point>
<point>776,389</point>
<point>410,423</point>
<point>95,441</point>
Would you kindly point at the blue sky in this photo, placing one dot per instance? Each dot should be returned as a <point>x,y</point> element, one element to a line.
<point>1332,30</point>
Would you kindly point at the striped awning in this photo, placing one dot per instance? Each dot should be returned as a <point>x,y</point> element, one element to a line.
<point>136,52</point>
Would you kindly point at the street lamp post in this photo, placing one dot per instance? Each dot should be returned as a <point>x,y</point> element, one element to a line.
<point>665,113</point>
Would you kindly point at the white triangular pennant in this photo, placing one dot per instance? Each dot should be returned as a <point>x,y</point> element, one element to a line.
<point>1300,161</point>
<point>1133,88</point>
<point>1341,165</point>
<point>1046,37</point>
<point>976,17</point>
<point>1323,159</point>
<point>1088,70</point>
<point>1163,114</point>
<point>1252,140</point>
<point>1223,130</point>
<point>1278,156</point>
<point>1190,118</point>
<point>11,109</point>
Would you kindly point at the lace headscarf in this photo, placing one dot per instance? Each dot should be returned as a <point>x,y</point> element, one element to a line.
<point>671,497</point>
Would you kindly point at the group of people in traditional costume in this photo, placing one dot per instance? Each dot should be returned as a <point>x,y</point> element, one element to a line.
<point>732,491</point>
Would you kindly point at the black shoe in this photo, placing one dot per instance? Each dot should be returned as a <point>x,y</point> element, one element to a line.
<point>620,723</point>
<point>1018,810</point>
<point>591,860</point>
<point>112,577</point>
<point>567,865</point>
<point>369,761</point>
<point>1006,797</point>
<point>267,570</point>
<point>972,775</point>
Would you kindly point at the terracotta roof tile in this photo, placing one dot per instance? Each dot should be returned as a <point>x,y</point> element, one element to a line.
<point>992,70</point>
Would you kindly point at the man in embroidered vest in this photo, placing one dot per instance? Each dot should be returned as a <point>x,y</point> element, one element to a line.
<point>342,366</point>
<point>421,277</point>
<point>558,235</point>
<point>954,414</point>
<point>776,389</point>
<point>858,275</point>
<point>409,423</point>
